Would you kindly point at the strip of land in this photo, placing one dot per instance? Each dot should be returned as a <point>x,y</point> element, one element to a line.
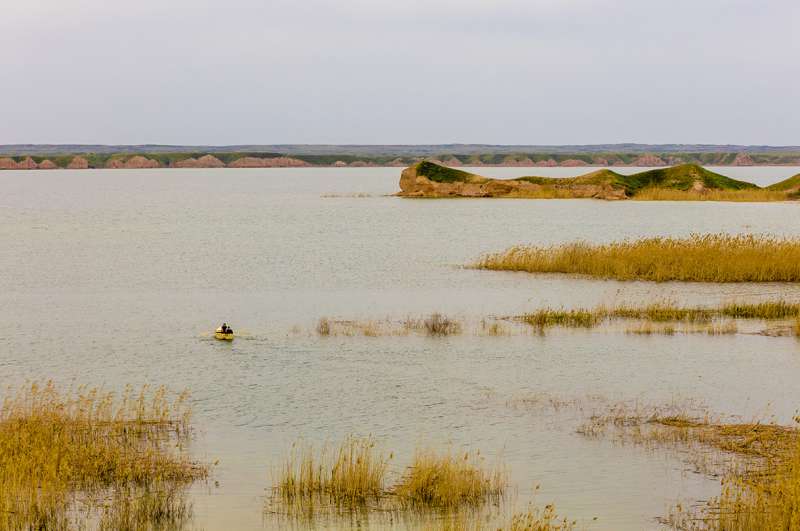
<point>683,182</point>
<point>90,156</point>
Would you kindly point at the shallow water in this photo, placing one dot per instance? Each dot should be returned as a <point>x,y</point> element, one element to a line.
<point>116,277</point>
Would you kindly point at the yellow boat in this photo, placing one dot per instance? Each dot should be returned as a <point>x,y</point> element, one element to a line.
<point>223,336</point>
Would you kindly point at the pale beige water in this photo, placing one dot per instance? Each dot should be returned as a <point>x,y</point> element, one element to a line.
<point>115,277</point>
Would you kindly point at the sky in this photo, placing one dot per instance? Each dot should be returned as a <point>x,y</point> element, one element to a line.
<point>399,71</point>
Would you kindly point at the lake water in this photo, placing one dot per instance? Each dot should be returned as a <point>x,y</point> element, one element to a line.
<point>116,277</point>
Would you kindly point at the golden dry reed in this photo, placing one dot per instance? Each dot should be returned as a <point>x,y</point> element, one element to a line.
<point>350,473</point>
<point>660,318</point>
<point>698,258</point>
<point>746,195</point>
<point>761,489</point>
<point>61,452</point>
<point>449,480</point>
<point>765,499</point>
<point>433,325</point>
<point>534,518</point>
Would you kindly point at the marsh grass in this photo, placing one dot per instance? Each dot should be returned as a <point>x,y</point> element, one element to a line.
<point>350,473</point>
<point>745,195</point>
<point>761,480</point>
<point>493,328</point>
<point>763,310</point>
<point>669,329</point>
<point>663,317</point>
<point>698,258</point>
<point>351,478</point>
<point>434,325</point>
<point>534,518</point>
<point>439,325</point>
<point>540,519</point>
<point>156,505</point>
<point>62,452</point>
<point>578,318</point>
<point>648,328</point>
<point>447,480</point>
<point>324,326</point>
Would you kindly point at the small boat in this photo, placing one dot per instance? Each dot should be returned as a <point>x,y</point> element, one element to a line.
<point>226,335</point>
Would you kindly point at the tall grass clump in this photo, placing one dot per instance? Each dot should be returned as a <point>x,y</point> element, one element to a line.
<point>439,325</point>
<point>779,309</point>
<point>578,318</point>
<point>448,481</point>
<point>324,326</point>
<point>698,258</point>
<point>349,474</point>
<point>60,452</point>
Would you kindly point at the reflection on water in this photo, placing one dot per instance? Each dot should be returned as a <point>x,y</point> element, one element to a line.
<point>116,277</point>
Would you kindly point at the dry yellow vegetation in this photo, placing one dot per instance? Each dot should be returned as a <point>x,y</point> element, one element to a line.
<point>350,473</point>
<point>446,480</point>
<point>698,258</point>
<point>745,195</point>
<point>63,453</point>
<point>761,486</point>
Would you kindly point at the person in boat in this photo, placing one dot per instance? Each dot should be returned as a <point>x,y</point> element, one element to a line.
<point>225,328</point>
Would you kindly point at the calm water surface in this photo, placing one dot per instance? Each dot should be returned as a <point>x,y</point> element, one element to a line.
<point>116,277</point>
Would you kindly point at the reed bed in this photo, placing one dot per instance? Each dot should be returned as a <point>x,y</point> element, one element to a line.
<point>648,328</point>
<point>747,195</point>
<point>763,310</point>
<point>655,318</point>
<point>348,474</point>
<point>448,481</point>
<point>698,258</point>
<point>439,325</point>
<point>662,317</point>
<point>578,318</point>
<point>352,476</point>
<point>534,518</point>
<point>61,452</point>
<point>434,325</point>
<point>761,483</point>
<point>669,329</point>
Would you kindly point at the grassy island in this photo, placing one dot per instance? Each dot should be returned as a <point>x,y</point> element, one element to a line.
<point>687,182</point>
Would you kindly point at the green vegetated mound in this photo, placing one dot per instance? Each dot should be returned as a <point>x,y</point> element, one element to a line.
<point>791,184</point>
<point>682,182</point>
<point>683,177</point>
<point>443,174</point>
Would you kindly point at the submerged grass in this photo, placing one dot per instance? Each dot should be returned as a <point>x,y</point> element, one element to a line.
<point>62,452</point>
<point>698,258</point>
<point>761,486</point>
<point>662,317</point>
<point>745,195</point>
<point>433,325</point>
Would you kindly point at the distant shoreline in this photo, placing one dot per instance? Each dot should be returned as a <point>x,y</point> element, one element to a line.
<point>488,160</point>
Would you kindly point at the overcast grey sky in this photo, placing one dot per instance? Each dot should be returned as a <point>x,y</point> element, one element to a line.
<point>399,71</point>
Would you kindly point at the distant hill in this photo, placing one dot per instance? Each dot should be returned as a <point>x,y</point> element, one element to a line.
<point>49,156</point>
